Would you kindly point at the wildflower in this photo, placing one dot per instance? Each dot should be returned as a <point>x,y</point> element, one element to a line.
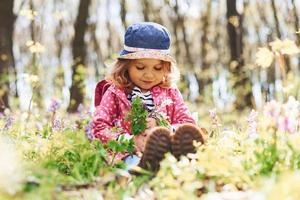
<point>252,132</point>
<point>57,124</point>
<point>286,46</point>
<point>264,57</point>
<point>272,109</point>
<point>292,107</point>
<point>30,78</point>
<point>28,13</point>
<point>9,122</point>
<point>287,124</point>
<point>35,47</point>
<point>88,131</point>
<point>54,105</point>
<point>214,117</point>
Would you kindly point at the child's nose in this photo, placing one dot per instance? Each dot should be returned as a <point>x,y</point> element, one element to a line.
<point>149,75</point>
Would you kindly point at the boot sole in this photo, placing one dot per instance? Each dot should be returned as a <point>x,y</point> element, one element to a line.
<point>158,143</point>
<point>182,142</point>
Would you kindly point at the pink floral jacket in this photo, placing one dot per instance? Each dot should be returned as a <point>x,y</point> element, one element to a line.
<point>114,107</point>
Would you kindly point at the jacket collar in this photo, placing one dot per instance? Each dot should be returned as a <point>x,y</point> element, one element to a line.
<point>120,93</point>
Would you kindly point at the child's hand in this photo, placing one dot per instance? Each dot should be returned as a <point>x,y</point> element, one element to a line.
<point>140,141</point>
<point>151,123</point>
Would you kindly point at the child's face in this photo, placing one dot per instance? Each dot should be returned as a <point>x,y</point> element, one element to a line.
<point>146,73</point>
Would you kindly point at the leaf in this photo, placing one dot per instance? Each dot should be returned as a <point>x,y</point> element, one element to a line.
<point>137,116</point>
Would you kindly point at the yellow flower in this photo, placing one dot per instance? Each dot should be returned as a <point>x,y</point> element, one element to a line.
<point>264,57</point>
<point>28,13</point>
<point>37,48</point>
<point>30,78</point>
<point>286,46</point>
<point>234,20</point>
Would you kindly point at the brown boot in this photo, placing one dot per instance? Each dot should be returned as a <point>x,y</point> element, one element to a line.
<point>158,143</point>
<point>182,142</point>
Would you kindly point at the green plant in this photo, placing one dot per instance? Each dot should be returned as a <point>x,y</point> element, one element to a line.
<point>122,145</point>
<point>137,116</point>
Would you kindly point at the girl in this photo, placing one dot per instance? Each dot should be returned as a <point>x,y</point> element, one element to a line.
<point>145,69</point>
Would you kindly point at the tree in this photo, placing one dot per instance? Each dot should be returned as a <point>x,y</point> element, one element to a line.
<point>79,55</point>
<point>7,19</point>
<point>123,13</point>
<point>242,85</point>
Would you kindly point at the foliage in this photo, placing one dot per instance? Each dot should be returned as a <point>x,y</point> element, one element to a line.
<point>137,116</point>
<point>60,162</point>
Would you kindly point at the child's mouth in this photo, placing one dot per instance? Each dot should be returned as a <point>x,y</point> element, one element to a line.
<point>147,82</point>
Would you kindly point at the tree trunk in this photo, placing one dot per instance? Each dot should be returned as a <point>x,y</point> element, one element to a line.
<point>296,22</point>
<point>296,25</point>
<point>175,37</point>
<point>278,33</point>
<point>7,19</point>
<point>146,10</point>
<point>100,60</point>
<point>205,20</point>
<point>109,41</point>
<point>79,54</point>
<point>181,25</point>
<point>123,13</point>
<point>242,85</point>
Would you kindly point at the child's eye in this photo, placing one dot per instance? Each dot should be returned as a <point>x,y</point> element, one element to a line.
<point>139,67</point>
<point>158,68</point>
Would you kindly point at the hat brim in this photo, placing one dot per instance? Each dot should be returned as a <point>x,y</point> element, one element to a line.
<point>147,54</point>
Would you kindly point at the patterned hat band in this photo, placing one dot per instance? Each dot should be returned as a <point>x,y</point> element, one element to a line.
<point>136,49</point>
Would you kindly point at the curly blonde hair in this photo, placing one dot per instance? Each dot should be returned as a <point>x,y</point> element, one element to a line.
<point>119,76</point>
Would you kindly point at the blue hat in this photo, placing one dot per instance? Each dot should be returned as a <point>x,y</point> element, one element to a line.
<point>147,40</point>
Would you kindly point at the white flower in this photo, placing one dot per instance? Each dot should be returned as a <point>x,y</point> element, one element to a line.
<point>264,57</point>
<point>286,46</point>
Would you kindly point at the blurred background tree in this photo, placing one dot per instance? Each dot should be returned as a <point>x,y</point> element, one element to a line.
<point>7,19</point>
<point>79,54</point>
<point>69,45</point>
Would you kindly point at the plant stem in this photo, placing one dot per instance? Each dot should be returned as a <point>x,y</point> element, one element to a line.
<point>29,108</point>
<point>113,159</point>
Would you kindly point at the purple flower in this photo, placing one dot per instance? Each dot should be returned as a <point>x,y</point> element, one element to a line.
<point>252,129</point>
<point>54,105</point>
<point>9,122</point>
<point>88,130</point>
<point>287,124</point>
<point>214,117</point>
<point>272,109</point>
<point>57,124</point>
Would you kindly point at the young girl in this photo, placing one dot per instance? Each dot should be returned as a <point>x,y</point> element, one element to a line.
<point>145,69</point>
